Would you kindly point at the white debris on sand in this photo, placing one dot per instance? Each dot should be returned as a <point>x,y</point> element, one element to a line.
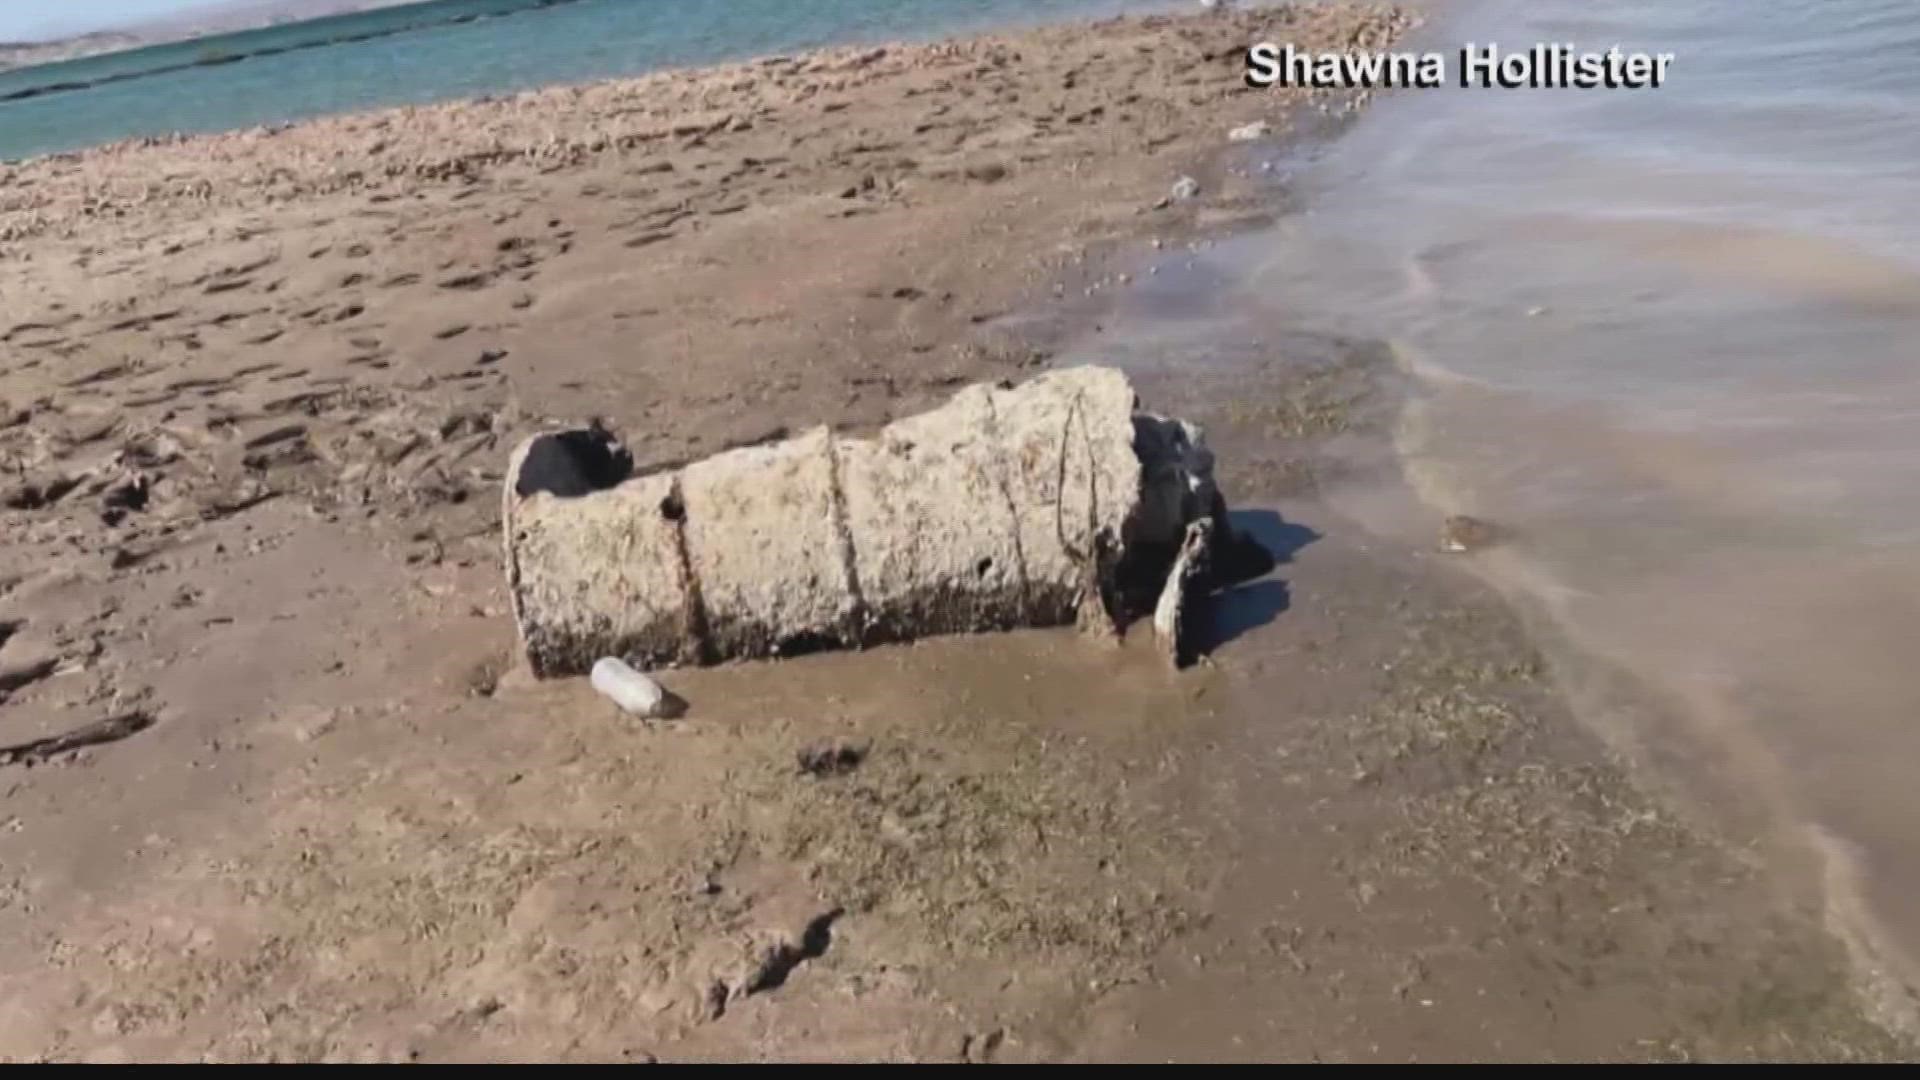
<point>635,693</point>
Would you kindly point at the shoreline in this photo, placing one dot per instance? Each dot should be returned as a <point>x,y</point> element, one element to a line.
<point>180,30</point>
<point>364,151</point>
<point>669,64</point>
<point>1688,748</point>
<point>1635,718</point>
<point>355,832</point>
<point>215,58</point>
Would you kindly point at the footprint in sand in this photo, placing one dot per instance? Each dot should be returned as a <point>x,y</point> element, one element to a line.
<point>112,729</point>
<point>226,317</point>
<point>99,375</point>
<point>468,281</point>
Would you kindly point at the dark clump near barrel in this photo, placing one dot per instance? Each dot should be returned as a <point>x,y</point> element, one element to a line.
<point>570,464</point>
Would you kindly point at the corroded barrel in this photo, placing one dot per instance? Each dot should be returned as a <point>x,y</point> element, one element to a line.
<point>1007,507</point>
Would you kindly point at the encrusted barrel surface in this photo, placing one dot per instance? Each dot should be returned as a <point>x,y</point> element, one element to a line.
<point>996,510</point>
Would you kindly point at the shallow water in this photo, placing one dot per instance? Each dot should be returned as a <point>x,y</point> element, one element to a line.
<point>449,49</point>
<point>1671,338</point>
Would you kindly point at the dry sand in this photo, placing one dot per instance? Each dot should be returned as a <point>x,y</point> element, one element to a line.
<point>256,392</point>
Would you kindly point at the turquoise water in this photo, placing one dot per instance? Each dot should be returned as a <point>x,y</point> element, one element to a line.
<point>449,49</point>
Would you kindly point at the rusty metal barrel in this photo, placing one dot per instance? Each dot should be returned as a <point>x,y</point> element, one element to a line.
<point>1009,506</point>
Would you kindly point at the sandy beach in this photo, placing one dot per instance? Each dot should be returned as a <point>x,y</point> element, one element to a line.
<point>257,392</point>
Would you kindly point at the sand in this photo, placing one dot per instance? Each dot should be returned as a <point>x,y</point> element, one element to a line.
<point>256,394</point>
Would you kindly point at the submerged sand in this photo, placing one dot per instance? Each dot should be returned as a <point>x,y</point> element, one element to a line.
<point>256,393</point>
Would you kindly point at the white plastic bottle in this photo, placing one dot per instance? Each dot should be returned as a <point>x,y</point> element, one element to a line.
<point>629,689</point>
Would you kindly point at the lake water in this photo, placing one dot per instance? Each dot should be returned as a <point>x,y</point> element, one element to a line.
<point>1672,340</point>
<point>449,49</point>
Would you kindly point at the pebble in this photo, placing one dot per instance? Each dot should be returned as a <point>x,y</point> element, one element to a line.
<point>1185,188</point>
<point>1248,132</point>
<point>1460,534</point>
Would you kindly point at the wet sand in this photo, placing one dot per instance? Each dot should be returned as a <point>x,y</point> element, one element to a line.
<point>256,392</point>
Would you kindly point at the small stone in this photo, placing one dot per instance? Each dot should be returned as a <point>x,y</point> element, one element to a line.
<point>1461,534</point>
<point>1185,189</point>
<point>1248,132</point>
